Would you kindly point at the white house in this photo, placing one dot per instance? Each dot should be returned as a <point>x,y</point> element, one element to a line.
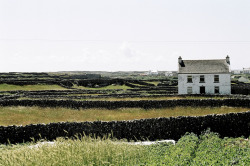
<point>204,76</point>
<point>246,70</point>
<point>169,73</point>
<point>152,72</point>
<point>237,71</point>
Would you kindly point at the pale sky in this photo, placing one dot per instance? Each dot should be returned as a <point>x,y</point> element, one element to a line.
<point>121,35</point>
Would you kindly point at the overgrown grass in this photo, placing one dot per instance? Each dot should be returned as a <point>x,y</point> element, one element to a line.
<point>9,87</point>
<point>33,115</point>
<point>207,149</point>
<point>73,152</point>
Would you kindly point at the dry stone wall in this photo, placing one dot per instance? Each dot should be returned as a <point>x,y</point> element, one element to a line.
<point>129,104</point>
<point>227,125</point>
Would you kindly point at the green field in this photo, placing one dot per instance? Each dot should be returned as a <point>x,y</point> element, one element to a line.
<point>124,87</point>
<point>9,87</point>
<point>129,98</point>
<point>153,82</point>
<point>207,149</point>
<point>149,98</point>
<point>34,115</point>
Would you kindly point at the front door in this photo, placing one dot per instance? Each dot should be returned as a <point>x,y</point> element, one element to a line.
<point>202,90</point>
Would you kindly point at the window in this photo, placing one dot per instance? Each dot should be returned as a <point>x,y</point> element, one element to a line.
<point>189,79</point>
<point>216,90</point>
<point>216,78</point>
<point>202,78</point>
<point>189,90</point>
<point>202,90</point>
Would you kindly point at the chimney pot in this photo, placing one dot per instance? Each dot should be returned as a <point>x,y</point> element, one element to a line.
<point>180,60</point>
<point>228,59</point>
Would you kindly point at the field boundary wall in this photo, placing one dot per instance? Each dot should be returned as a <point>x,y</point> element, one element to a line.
<point>227,125</point>
<point>146,104</point>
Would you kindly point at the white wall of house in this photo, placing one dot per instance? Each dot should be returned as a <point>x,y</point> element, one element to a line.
<point>224,83</point>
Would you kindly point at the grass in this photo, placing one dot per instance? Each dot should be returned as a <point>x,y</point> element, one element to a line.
<point>151,98</point>
<point>153,82</point>
<point>9,87</point>
<point>124,87</point>
<point>34,115</point>
<point>130,98</point>
<point>73,152</point>
<point>207,149</point>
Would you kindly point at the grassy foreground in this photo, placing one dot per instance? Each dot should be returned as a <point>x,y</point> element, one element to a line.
<point>207,149</point>
<point>34,115</point>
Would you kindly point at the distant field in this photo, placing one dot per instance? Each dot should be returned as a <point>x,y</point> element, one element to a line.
<point>131,98</point>
<point>35,115</point>
<point>124,87</point>
<point>153,82</point>
<point>9,87</point>
<point>151,98</point>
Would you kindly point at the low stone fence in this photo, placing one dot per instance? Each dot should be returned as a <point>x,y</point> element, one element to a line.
<point>227,125</point>
<point>129,104</point>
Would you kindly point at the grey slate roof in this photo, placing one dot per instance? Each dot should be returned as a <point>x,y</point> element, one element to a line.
<point>204,66</point>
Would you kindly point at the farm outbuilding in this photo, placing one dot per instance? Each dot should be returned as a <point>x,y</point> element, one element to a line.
<point>204,76</point>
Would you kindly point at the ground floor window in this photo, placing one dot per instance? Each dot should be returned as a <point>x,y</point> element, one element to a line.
<point>189,90</point>
<point>202,90</point>
<point>216,89</point>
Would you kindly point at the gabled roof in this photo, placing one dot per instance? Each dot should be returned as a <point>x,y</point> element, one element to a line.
<point>204,66</point>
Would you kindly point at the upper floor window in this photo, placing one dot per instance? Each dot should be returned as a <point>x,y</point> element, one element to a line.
<point>202,78</point>
<point>216,78</point>
<point>189,79</point>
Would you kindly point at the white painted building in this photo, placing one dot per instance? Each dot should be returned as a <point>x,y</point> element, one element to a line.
<point>204,76</point>
<point>169,73</point>
<point>152,72</point>
<point>237,71</point>
<point>246,70</point>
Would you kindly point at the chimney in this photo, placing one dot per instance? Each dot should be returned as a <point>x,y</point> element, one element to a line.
<point>180,60</point>
<point>228,60</point>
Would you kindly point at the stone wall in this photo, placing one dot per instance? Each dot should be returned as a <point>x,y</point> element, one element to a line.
<point>227,125</point>
<point>234,102</point>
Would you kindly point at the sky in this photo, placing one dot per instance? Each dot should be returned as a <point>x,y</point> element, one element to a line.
<point>121,35</point>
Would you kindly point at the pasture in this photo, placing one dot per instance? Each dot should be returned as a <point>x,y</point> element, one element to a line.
<point>9,87</point>
<point>34,115</point>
